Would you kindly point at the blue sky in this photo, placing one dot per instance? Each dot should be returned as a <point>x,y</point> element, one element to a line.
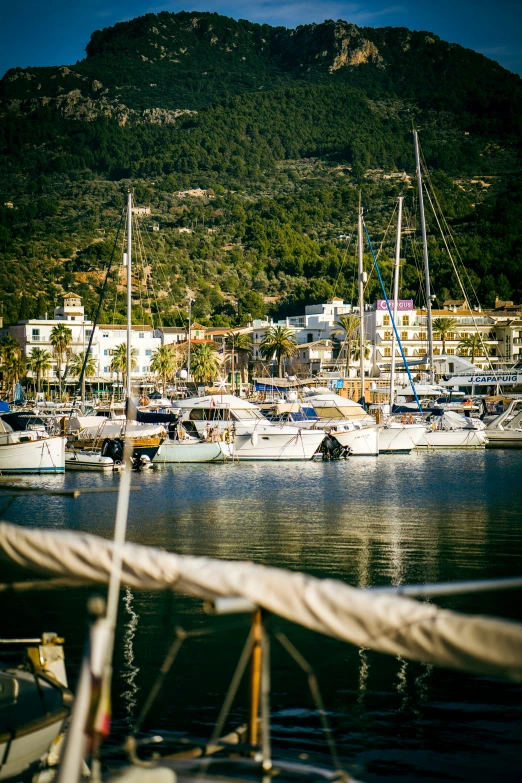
<point>55,32</point>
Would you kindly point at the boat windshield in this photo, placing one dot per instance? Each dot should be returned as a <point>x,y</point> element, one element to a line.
<point>225,414</point>
<point>247,413</point>
<point>333,412</point>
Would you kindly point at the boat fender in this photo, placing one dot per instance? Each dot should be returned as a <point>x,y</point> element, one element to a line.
<point>144,400</point>
<point>254,438</point>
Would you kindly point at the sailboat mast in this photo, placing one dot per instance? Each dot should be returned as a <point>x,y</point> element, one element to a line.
<point>395,300</point>
<point>426,260</point>
<point>129,293</point>
<point>189,340</point>
<point>362,281</point>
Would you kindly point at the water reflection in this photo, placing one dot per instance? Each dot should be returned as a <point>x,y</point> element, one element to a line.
<point>130,671</point>
<point>368,522</point>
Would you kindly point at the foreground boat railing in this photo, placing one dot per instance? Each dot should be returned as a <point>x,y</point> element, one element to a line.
<point>450,588</point>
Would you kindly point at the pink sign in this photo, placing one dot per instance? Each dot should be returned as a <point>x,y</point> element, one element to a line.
<point>402,304</point>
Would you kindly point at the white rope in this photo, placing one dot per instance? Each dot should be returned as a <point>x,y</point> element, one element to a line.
<point>484,348</point>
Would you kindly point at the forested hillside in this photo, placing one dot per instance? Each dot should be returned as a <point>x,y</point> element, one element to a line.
<point>279,129</point>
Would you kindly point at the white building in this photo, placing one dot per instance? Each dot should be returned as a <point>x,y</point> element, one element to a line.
<point>110,336</point>
<point>412,327</point>
<point>318,322</point>
<point>36,333</point>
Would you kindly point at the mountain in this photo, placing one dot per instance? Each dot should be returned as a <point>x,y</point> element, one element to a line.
<point>280,127</point>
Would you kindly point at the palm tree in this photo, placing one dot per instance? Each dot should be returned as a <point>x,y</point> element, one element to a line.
<point>349,324</point>
<point>278,340</point>
<point>119,361</point>
<point>444,326</point>
<point>13,368</point>
<point>61,338</point>
<point>39,362</point>
<point>164,363</point>
<point>204,364</point>
<point>470,346</point>
<point>238,343</point>
<point>77,361</point>
<point>356,350</point>
<point>9,347</point>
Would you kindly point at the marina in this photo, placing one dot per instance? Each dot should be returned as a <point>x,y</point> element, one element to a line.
<point>260,405</point>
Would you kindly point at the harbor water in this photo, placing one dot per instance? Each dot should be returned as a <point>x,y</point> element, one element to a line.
<point>391,520</point>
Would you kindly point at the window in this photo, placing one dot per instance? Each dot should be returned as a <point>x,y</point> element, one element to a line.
<point>451,367</point>
<point>451,351</point>
<point>148,352</point>
<point>405,320</point>
<point>141,335</point>
<point>144,369</point>
<point>387,335</point>
<point>309,337</point>
<point>405,351</point>
<point>88,333</point>
<point>73,318</point>
<point>386,320</point>
<point>404,335</point>
<point>422,335</point>
<point>387,351</point>
<point>106,369</point>
<point>105,351</point>
<point>36,335</point>
<point>436,351</point>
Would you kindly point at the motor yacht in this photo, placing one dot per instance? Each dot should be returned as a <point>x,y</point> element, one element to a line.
<point>253,436</point>
<point>505,431</point>
<point>347,422</point>
<point>450,430</point>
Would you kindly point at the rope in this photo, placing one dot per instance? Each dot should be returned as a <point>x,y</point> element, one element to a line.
<point>399,343</point>
<point>459,280</point>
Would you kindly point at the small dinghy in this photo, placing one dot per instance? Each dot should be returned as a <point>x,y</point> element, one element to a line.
<point>90,460</point>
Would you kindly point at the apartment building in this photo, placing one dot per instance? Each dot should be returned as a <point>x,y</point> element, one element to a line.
<point>412,327</point>
<point>110,336</point>
<point>36,333</point>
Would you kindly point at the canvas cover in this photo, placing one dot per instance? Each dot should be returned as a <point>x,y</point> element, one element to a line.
<point>387,623</point>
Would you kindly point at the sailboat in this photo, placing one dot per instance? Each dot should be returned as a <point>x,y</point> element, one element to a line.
<point>28,448</point>
<point>100,438</point>
<point>34,703</point>
<point>445,431</point>
<point>385,619</point>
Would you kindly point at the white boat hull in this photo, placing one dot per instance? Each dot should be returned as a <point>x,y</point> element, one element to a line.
<point>45,455</point>
<point>273,445</point>
<point>199,451</point>
<point>453,439</point>
<point>27,749</point>
<point>266,441</point>
<point>363,442</point>
<point>400,439</point>
<point>89,460</point>
<point>504,439</point>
